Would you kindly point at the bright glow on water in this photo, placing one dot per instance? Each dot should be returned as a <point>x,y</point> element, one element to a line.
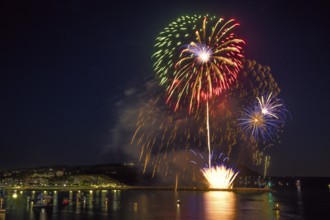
<point>219,205</point>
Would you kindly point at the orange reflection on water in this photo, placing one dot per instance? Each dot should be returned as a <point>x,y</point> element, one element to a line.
<point>220,205</point>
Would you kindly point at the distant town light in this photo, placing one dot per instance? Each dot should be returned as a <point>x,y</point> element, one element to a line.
<point>14,195</point>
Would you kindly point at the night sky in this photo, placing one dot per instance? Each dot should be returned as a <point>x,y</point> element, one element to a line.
<point>68,66</point>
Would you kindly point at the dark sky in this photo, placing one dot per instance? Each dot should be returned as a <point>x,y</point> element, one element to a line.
<point>65,66</point>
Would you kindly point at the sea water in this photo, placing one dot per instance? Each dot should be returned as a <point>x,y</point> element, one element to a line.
<point>294,203</point>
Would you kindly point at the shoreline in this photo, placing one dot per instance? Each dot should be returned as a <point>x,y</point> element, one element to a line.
<point>238,189</point>
<point>74,188</point>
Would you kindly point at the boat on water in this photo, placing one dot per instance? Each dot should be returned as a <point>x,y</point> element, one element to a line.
<point>276,207</point>
<point>65,202</point>
<point>43,202</point>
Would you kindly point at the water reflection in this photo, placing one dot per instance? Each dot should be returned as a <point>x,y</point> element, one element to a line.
<point>299,200</point>
<point>220,205</point>
<point>270,208</point>
<point>42,214</point>
<point>150,204</point>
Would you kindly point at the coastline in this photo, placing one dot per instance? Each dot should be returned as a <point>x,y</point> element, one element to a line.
<point>75,188</point>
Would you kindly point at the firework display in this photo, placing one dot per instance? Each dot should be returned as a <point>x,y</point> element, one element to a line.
<point>160,132</point>
<point>198,57</point>
<point>219,176</point>
<point>204,65</point>
<point>264,118</point>
<point>271,107</point>
<point>214,99</point>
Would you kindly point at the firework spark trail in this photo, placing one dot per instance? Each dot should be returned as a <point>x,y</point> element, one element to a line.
<point>208,131</point>
<point>266,164</point>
